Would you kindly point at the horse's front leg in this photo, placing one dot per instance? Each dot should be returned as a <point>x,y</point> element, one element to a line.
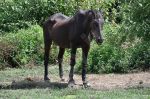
<point>72,63</point>
<point>85,51</point>
<point>60,59</point>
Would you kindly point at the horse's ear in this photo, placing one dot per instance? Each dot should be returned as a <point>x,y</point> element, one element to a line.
<point>90,13</point>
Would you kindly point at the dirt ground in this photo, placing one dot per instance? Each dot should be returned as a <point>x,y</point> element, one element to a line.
<point>96,81</point>
<point>117,81</point>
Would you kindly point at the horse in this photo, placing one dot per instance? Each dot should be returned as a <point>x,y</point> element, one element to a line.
<point>73,33</point>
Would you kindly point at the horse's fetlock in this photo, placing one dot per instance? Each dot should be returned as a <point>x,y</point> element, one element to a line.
<point>84,63</point>
<point>72,63</point>
<point>60,60</point>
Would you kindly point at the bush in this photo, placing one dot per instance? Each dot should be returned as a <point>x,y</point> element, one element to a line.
<point>127,48</point>
<point>11,17</point>
<point>126,45</point>
<point>6,55</point>
<point>136,20</point>
<point>106,59</point>
<point>117,56</point>
<point>136,28</point>
<point>18,14</point>
<point>24,46</point>
<point>140,56</point>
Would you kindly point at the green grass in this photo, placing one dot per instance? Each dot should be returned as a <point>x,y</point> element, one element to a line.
<point>8,75</point>
<point>74,94</point>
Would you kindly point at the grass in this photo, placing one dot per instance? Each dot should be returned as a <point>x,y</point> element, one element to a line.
<point>74,94</point>
<point>8,75</point>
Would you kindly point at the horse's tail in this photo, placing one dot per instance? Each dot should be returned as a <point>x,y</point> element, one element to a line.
<point>47,27</point>
<point>46,32</point>
<point>47,44</point>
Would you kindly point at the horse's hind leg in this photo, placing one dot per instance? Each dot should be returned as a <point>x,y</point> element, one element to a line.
<point>46,59</point>
<point>60,59</point>
<point>47,45</point>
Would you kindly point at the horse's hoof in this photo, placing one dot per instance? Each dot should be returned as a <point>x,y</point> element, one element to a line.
<point>86,85</point>
<point>62,79</point>
<point>46,79</point>
<point>71,84</point>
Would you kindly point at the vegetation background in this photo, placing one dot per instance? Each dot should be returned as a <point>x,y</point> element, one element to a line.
<point>126,31</point>
<point>126,48</point>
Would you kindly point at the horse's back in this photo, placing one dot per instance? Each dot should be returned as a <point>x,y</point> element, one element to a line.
<point>58,16</point>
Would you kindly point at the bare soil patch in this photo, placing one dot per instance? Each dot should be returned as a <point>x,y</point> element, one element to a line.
<point>117,81</point>
<point>97,81</point>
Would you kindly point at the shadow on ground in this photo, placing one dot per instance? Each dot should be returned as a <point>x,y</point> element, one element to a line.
<point>97,82</point>
<point>32,84</point>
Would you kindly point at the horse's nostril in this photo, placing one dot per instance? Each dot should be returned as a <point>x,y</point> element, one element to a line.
<point>99,40</point>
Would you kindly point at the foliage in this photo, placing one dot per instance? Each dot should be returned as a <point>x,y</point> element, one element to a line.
<point>18,13</point>
<point>24,46</point>
<point>110,56</point>
<point>140,56</point>
<point>107,59</point>
<point>126,32</point>
<point>128,47</point>
<point>137,20</point>
<point>110,8</point>
<point>118,54</point>
<point>136,28</point>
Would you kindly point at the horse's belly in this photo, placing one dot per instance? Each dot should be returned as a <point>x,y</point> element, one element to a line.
<point>62,44</point>
<point>61,39</point>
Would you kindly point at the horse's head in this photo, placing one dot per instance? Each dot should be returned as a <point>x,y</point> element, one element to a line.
<point>96,25</point>
<point>90,22</point>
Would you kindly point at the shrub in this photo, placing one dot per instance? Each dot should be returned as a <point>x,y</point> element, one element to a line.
<point>136,28</point>
<point>11,17</point>
<point>136,20</point>
<point>18,14</point>
<point>126,45</point>
<point>24,46</point>
<point>6,55</point>
<point>128,48</point>
<point>118,54</point>
<point>108,57</point>
<point>140,56</point>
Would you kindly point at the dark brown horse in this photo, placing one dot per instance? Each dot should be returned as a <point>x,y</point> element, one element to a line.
<point>72,33</point>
